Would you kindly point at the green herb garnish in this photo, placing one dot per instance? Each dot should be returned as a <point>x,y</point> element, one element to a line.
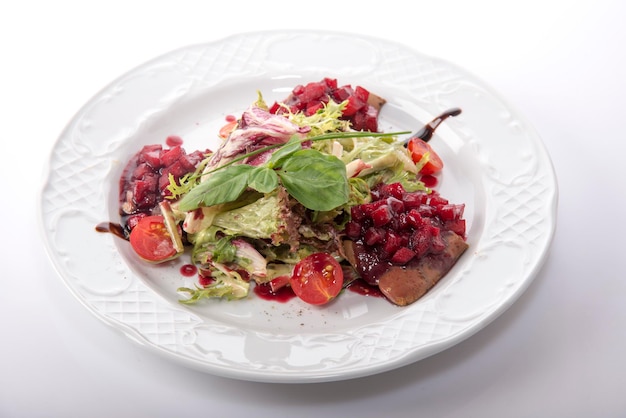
<point>317,180</point>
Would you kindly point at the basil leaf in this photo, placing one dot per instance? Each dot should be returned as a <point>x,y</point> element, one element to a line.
<point>278,157</point>
<point>222,186</point>
<point>263,179</point>
<point>316,180</point>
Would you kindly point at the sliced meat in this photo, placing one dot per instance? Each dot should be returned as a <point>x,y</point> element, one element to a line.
<point>376,101</point>
<point>404,285</point>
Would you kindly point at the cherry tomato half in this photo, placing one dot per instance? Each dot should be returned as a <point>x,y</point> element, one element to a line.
<point>151,241</point>
<point>227,129</point>
<point>418,148</point>
<point>317,279</point>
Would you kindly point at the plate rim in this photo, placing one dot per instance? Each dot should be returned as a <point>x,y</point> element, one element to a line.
<point>321,375</point>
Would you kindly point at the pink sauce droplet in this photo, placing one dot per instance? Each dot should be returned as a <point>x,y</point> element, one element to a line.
<point>264,291</point>
<point>173,140</point>
<point>363,288</point>
<point>230,118</point>
<point>188,270</point>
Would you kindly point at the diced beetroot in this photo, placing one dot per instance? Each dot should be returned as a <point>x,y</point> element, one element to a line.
<point>395,190</point>
<point>369,208</point>
<point>361,93</point>
<point>331,83</point>
<point>152,158</point>
<point>188,163</point>
<point>373,236</point>
<point>402,256</point>
<point>312,91</point>
<point>309,98</point>
<point>145,179</point>
<point>353,106</point>
<point>274,108</point>
<point>145,201</point>
<point>353,230</point>
<point>426,211</point>
<point>450,212</point>
<point>414,200</point>
<point>403,221</point>
<point>436,200</point>
<point>368,262</point>
<point>420,241</point>
<point>148,153</point>
<point>143,186</point>
<point>414,218</point>
<point>148,184</point>
<point>411,227</point>
<point>382,215</point>
<point>370,119</point>
<point>405,237</point>
<point>314,107</point>
<point>298,90</point>
<point>199,155</point>
<point>142,170</point>
<point>383,191</point>
<point>357,213</point>
<point>342,93</point>
<point>437,244</point>
<point>357,121</point>
<point>396,205</point>
<point>178,169</point>
<point>164,180</point>
<point>392,242</point>
<point>133,220</point>
<point>457,226</point>
<point>172,155</point>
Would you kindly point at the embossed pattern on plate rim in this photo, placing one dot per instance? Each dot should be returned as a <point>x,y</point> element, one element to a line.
<point>522,230</point>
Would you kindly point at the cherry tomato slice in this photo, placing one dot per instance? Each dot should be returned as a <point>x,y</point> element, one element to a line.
<point>317,279</point>
<point>227,129</point>
<point>418,148</point>
<point>151,241</point>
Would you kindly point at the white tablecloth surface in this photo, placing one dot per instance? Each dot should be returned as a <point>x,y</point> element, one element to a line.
<point>559,351</point>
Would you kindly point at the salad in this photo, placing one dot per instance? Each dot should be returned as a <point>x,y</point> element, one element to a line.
<point>304,195</point>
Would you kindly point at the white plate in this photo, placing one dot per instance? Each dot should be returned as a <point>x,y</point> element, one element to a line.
<point>495,163</point>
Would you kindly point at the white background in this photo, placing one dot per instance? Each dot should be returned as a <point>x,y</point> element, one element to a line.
<point>559,351</point>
